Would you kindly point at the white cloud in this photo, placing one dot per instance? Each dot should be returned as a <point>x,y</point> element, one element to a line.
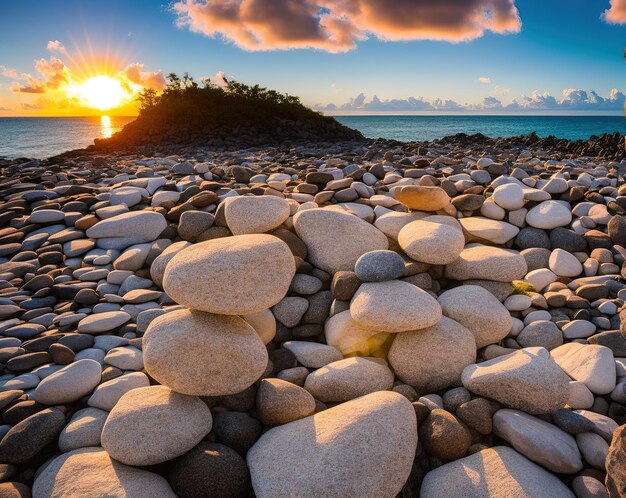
<point>57,46</point>
<point>8,72</point>
<point>485,80</point>
<point>571,100</point>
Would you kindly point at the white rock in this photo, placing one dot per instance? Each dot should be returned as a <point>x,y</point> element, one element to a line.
<point>548,215</point>
<point>564,264</point>
<point>69,384</point>
<point>591,364</point>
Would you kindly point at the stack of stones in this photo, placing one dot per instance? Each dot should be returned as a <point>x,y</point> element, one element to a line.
<point>333,321</point>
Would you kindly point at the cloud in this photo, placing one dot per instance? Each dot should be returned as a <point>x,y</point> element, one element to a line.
<point>8,72</point>
<point>135,74</point>
<point>571,100</point>
<point>57,46</point>
<point>485,80</point>
<point>616,14</point>
<point>31,107</point>
<point>337,25</point>
<point>54,72</point>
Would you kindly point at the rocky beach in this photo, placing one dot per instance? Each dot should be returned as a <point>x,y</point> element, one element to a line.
<point>364,318</point>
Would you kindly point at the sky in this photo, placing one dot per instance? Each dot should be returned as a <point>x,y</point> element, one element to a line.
<point>338,56</point>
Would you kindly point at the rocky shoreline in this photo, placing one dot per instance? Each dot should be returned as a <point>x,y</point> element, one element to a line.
<point>361,319</point>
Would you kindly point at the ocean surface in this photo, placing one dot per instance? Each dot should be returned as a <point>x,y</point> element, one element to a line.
<point>45,137</point>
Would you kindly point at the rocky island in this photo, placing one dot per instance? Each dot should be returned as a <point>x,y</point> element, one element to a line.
<point>314,314</point>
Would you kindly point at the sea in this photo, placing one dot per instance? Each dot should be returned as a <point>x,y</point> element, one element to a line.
<point>44,137</point>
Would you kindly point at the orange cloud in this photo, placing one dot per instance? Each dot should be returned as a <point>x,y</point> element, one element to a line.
<point>135,74</point>
<point>55,73</point>
<point>336,25</point>
<point>616,14</point>
<point>8,72</point>
<point>57,46</point>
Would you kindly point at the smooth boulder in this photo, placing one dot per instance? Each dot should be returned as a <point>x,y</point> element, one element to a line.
<point>255,214</point>
<point>317,453</point>
<point>231,275</point>
<point>203,354</point>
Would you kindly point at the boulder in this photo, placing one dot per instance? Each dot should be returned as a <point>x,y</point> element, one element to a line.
<point>317,452</point>
<point>279,402</point>
<point>482,262</point>
<point>70,383</point>
<point>135,226</point>
<point>345,334</point>
<point>231,275</point>
<point>255,214</point>
<point>433,358</point>
<point>430,242</point>
<point>203,354</point>
<point>422,198</point>
<point>590,364</point>
<point>498,471</point>
<point>154,424</point>
<point>336,240</point>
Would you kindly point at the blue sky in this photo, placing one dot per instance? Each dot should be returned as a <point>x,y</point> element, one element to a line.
<point>562,44</point>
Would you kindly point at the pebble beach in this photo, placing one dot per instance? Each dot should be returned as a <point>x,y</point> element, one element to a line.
<point>368,319</point>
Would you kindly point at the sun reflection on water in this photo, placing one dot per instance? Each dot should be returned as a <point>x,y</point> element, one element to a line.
<point>105,125</point>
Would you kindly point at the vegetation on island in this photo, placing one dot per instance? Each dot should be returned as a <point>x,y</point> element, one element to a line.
<point>227,112</point>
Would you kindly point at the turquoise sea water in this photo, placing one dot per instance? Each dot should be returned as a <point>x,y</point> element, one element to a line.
<point>407,128</point>
<point>44,137</point>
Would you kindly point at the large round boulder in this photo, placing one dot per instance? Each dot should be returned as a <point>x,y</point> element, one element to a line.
<point>203,354</point>
<point>150,425</point>
<point>255,214</point>
<point>231,275</point>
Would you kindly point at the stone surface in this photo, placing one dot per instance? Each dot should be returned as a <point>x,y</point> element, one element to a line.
<point>255,214</point>
<point>347,379</point>
<point>431,242</point>
<point>210,470</point>
<point>444,436</point>
<point>615,471</point>
<point>538,441</point>
<point>83,430</point>
<point>80,472</point>
<point>70,383</point>
<point>154,424</point>
<point>335,241</point>
<point>136,226</point>
<point>232,275</point>
<point>591,364</point>
<point>422,198</point>
<point>317,452</point>
<point>232,354</point>
<point>549,214</point>
<point>378,266</point>
<point>433,358</point>
<point>523,380</point>
<point>478,261</point>
<point>345,334</point>
<point>107,394</point>
<point>279,402</point>
<point>477,310</point>
<point>498,471</point>
<point>393,306</point>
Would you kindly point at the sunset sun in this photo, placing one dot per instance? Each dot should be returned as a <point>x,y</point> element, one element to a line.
<point>101,92</point>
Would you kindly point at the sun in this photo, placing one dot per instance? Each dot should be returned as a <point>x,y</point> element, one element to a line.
<point>101,92</point>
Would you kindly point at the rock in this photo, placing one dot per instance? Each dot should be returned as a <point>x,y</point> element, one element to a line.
<point>80,472</point>
<point>347,379</point>
<point>498,471</point>
<point>125,358</point>
<point>107,394</point>
<point>564,264</point>
<point>430,242</point>
<point>154,424</point>
<point>83,430</point>
<point>279,402</point>
<point>157,269</point>
<point>103,322</point>
<point>69,384</point>
<point>522,380</point>
<point>588,487</point>
<point>476,413</point>
<point>422,198</point>
<point>615,471</point>
<point>540,333</point>
<point>487,263</point>
<point>591,364</point>
<point>233,355</point>
<point>444,436</point>
<point>484,229</point>
<point>232,269</point>
<point>335,240</point>
<point>379,266</point>
<point>236,430</point>
<point>263,323</point>
<point>290,310</point>
<point>394,306</point>
<point>255,214</point>
<point>30,436</point>
<point>509,196</point>
<point>433,358</point>
<point>317,452</point>
<point>345,334</point>
<point>136,226</point>
<point>210,470</point>
<point>313,354</point>
<point>548,215</point>
<point>594,449</point>
<point>193,224</point>
<point>479,311</point>
<point>538,441</point>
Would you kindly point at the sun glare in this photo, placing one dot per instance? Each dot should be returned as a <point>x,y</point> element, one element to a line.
<point>101,92</point>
